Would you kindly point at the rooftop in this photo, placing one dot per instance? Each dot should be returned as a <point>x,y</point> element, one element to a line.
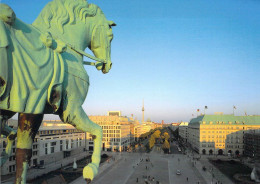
<point>225,119</point>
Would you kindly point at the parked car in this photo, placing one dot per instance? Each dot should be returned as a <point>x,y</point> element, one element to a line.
<point>178,172</point>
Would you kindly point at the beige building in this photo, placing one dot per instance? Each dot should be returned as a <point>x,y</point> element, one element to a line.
<point>183,131</point>
<point>116,132</point>
<point>220,134</point>
<point>137,132</point>
<point>145,127</point>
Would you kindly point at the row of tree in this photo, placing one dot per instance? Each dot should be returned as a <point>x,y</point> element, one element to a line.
<point>156,137</point>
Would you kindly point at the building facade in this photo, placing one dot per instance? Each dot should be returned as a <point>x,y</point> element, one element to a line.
<point>220,134</point>
<point>116,132</point>
<point>53,142</point>
<point>252,144</point>
<point>183,131</point>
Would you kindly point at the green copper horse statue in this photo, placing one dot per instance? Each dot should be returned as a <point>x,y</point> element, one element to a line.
<point>42,72</point>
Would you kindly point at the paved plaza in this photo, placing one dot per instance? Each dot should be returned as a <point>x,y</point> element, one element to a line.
<point>129,168</point>
<point>152,168</point>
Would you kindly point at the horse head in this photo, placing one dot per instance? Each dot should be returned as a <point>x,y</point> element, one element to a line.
<point>100,43</point>
<point>79,24</point>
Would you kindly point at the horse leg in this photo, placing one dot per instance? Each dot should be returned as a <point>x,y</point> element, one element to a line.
<point>8,132</point>
<point>78,118</point>
<point>28,125</point>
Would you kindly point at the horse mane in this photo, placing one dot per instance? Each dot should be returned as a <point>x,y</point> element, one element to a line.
<point>63,12</point>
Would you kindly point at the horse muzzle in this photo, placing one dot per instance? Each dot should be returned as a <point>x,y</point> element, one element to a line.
<point>106,67</point>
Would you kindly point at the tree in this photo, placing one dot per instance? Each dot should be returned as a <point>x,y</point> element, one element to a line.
<point>151,142</point>
<point>157,134</point>
<point>166,135</point>
<point>166,146</point>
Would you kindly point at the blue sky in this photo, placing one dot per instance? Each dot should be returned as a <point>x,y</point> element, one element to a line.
<point>176,55</point>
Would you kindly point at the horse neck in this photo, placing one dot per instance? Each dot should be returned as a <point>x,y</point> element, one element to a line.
<point>75,35</point>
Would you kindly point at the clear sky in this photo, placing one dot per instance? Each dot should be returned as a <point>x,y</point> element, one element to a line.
<point>176,55</point>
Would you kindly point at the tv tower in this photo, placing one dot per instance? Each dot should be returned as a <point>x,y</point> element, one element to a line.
<point>143,111</point>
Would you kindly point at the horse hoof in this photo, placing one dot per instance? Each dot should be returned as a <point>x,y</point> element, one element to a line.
<point>88,180</point>
<point>90,171</point>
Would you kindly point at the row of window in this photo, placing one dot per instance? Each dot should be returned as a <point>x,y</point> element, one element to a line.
<point>48,132</point>
<point>111,127</point>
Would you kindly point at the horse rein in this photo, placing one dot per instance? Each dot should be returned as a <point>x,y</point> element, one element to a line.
<point>47,39</point>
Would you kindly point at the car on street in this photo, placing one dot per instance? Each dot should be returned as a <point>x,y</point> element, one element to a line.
<point>178,172</point>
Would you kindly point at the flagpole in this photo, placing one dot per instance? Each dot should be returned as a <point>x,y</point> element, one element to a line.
<point>206,107</point>
<point>198,110</point>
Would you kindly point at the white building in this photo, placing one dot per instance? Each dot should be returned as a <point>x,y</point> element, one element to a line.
<point>183,131</point>
<point>53,142</point>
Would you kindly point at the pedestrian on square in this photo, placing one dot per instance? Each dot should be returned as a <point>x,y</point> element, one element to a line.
<point>187,179</point>
<point>136,180</point>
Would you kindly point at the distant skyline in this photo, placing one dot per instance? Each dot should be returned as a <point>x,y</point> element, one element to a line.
<point>178,56</point>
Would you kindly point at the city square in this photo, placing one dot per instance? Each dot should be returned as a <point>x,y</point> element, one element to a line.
<point>179,101</point>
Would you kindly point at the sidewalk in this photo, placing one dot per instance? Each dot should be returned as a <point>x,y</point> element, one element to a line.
<point>103,167</point>
<point>211,171</point>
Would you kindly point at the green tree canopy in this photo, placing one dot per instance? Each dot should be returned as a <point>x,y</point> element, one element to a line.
<point>157,134</point>
<point>166,145</point>
<point>151,142</point>
<point>166,135</point>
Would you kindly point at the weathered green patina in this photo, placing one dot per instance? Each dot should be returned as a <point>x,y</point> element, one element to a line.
<point>42,71</point>
<point>225,120</point>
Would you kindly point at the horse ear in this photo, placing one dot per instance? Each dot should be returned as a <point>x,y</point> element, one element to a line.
<point>111,23</point>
